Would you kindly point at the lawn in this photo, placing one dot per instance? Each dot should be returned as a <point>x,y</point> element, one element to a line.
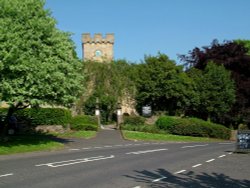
<point>31,143</point>
<point>133,135</point>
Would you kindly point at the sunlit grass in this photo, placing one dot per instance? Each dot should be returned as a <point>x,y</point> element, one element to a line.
<point>133,135</point>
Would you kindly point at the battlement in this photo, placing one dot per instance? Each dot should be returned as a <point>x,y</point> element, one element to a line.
<point>98,38</point>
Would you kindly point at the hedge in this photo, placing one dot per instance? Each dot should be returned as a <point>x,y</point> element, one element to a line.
<point>143,128</point>
<point>192,127</point>
<point>84,122</point>
<point>43,116</point>
<point>133,120</point>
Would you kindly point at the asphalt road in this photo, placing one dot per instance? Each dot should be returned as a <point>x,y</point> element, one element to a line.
<point>110,162</point>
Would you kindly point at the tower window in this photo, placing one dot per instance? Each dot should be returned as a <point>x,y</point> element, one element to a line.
<point>98,53</point>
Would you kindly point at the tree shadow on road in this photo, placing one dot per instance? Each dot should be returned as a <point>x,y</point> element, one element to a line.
<point>189,179</point>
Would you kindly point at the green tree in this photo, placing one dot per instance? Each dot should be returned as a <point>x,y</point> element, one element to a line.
<point>215,90</point>
<point>163,85</point>
<point>38,64</point>
<point>108,82</point>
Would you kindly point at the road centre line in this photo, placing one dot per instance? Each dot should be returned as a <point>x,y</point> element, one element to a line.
<point>75,161</point>
<point>226,143</point>
<point>193,146</point>
<point>222,156</point>
<point>196,165</point>
<point>108,146</point>
<point>179,172</point>
<point>4,175</point>
<point>159,179</point>
<point>74,149</point>
<point>85,148</point>
<point>208,161</point>
<point>147,151</point>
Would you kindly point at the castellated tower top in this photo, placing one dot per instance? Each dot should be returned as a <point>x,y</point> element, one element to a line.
<point>98,48</point>
<point>86,38</point>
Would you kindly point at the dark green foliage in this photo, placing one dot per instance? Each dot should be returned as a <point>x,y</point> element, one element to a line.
<point>234,56</point>
<point>84,122</point>
<point>163,85</point>
<point>42,116</point>
<point>134,120</point>
<point>143,128</point>
<point>192,127</point>
<point>46,116</point>
<point>108,82</point>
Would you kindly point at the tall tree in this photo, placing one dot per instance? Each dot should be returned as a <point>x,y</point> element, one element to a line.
<point>38,64</point>
<point>215,90</point>
<point>163,85</point>
<point>234,56</point>
<point>110,83</point>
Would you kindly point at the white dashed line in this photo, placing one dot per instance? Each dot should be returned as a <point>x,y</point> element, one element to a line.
<point>159,179</point>
<point>97,147</point>
<point>4,175</point>
<point>208,161</point>
<point>85,148</point>
<point>108,146</point>
<point>226,143</point>
<point>137,187</point>
<point>230,153</point>
<point>222,156</point>
<point>74,149</point>
<point>194,146</point>
<point>196,165</point>
<point>179,172</point>
<point>147,151</point>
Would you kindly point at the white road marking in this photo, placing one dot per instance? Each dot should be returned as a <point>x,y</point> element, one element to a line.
<point>75,161</point>
<point>208,161</point>
<point>159,179</point>
<point>128,144</point>
<point>97,147</point>
<point>230,153</point>
<point>74,149</point>
<point>193,146</point>
<point>85,148</point>
<point>4,175</point>
<point>108,146</point>
<point>222,156</point>
<point>146,151</point>
<point>179,172</point>
<point>226,143</point>
<point>137,187</point>
<point>196,165</point>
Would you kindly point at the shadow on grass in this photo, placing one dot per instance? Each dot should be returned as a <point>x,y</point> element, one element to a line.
<point>189,179</point>
<point>32,139</point>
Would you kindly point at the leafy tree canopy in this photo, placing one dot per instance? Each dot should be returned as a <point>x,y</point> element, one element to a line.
<point>163,85</point>
<point>215,90</point>
<point>37,61</point>
<point>38,64</point>
<point>234,56</point>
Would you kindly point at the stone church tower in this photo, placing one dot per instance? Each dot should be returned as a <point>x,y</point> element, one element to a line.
<point>98,48</point>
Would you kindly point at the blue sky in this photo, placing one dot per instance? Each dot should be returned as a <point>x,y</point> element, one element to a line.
<point>146,27</point>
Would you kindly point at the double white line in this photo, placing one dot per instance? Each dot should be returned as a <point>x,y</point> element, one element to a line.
<point>75,161</point>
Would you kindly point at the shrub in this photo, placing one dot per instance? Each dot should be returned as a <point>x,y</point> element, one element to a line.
<point>192,127</point>
<point>84,122</point>
<point>142,128</point>
<point>46,116</point>
<point>134,120</point>
<point>43,116</point>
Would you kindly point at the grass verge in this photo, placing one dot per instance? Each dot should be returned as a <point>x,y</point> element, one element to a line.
<point>28,143</point>
<point>133,135</point>
<point>31,143</point>
<point>76,134</point>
